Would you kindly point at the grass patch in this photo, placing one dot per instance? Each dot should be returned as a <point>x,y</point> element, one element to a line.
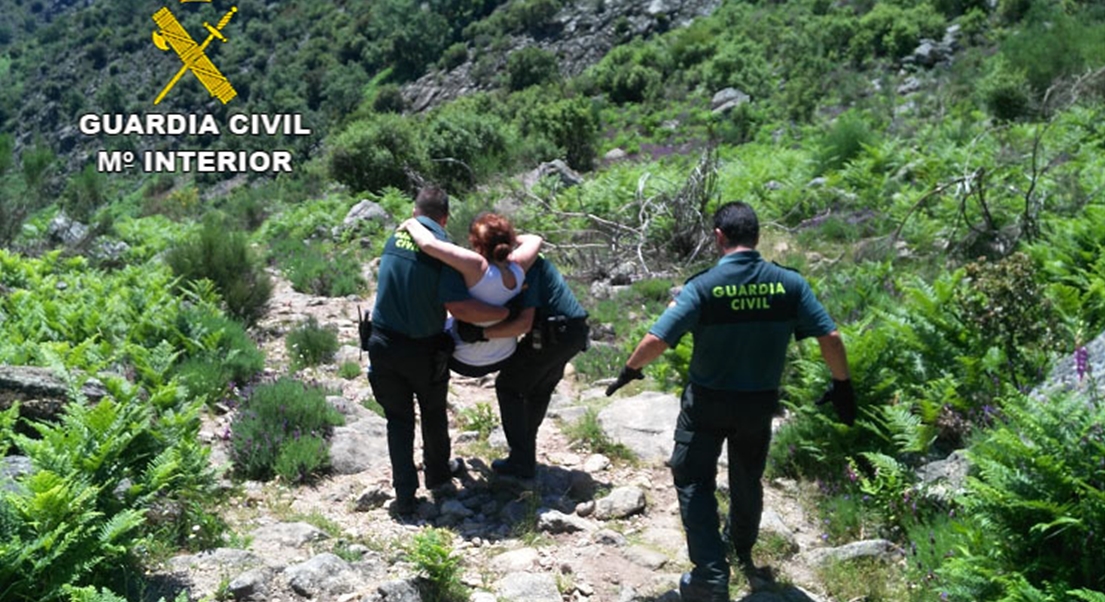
<point>349,370</point>
<point>864,579</point>
<point>587,433</point>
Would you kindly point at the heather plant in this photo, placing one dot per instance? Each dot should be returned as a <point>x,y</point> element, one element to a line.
<point>270,424</point>
<point>310,343</point>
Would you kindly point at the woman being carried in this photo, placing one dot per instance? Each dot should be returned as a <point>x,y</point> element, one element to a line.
<point>493,271</point>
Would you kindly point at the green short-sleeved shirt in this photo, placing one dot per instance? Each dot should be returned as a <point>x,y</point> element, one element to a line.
<point>545,288</point>
<point>412,287</point>
<point>742,313</point>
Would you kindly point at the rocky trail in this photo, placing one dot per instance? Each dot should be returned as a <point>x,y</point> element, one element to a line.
<point>587,528</point>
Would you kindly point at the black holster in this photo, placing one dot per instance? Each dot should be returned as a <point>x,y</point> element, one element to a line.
<point>443,350</point>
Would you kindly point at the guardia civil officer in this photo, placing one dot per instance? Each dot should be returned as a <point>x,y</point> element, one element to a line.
<point>742,313</point>
<point>409,353</point>
<point>557,330</point>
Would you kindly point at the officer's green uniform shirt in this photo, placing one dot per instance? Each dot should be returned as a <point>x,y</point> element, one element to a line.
<point>412,287</point>
<point>742,313</point>
<point>545,288</point>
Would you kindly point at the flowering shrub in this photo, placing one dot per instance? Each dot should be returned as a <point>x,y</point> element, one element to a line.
<point>280,429</point>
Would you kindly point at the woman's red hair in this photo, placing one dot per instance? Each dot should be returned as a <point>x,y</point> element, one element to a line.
<point>492,236</point>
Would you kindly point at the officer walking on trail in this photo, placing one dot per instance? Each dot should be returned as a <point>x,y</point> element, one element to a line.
<point>742,313</point>
<point>558,330</point>
<point>409,352</point>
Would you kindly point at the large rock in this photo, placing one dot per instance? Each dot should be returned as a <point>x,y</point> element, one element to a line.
<point>67,231</point>
<point>287,535</point>
<point>728,99</point>
<point>365,212</point>
<point>531,587</point>
<point>869,548</point>
<point>40,392</point>
<point>579,35</point>
<point>1065,375</point>
<point>644,423</point>
<point>359,446</point>
<point>943,479</point>
<point>566,175</point>
<point>622,502</point>
<point>325,576</point>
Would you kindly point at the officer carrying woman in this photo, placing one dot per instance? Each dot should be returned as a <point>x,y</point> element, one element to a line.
<point>409,354</point>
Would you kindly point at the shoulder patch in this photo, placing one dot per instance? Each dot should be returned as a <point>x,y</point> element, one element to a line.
<point>788,268</point>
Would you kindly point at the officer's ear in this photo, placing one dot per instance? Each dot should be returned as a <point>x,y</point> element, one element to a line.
<point>719,237</point>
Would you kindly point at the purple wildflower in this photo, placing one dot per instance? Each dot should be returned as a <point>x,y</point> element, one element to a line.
<point>1082,362</point>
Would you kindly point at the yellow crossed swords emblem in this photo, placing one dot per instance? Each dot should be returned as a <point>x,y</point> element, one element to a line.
<point>191,54</point>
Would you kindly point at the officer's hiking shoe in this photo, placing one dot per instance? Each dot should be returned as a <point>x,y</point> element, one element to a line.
<point>505,467</point>
<point>404,506</point>
<point>445,487</point>
<point>695,591</point>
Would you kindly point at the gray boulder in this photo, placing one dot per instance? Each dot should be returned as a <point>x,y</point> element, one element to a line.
<point>40,392</point>
<point>531,587</point>
<point>644,423</point>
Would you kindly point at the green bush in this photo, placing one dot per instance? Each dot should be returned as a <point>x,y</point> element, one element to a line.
<point>301,458</point>
<point>389,99</point>
<point>230,357</point>
<point>739,64</point>
<point>84,194</point>
<point>571,124</point>
<point>632,72</point>
<point>481,419</point>
<point>892,31</point>
<point>1005,92</point>
<point>454,56</point>
<point>377,152</point>
<point>844,141</point>
<point>1053,44</point>
<point>310,344</point>
<point>318,269</point>
<point>274,416</point>
<point>223,256</point>
<point>531,66</point>
<point>467,140</point>
<point>1033,509</point>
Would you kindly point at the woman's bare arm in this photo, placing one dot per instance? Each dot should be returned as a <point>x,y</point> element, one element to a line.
<point>525,254</point>
<point>469,263</point>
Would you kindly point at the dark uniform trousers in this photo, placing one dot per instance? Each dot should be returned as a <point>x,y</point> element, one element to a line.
<point>401,369</point>
<point>526,384</point>
<point>707,418</point>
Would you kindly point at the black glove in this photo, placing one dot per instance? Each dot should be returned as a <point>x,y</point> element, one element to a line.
<point>626,375</point>
<point>470,333</point>
<point>844,400</point>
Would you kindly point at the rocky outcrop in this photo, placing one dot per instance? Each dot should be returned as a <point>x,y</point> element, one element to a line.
<point>40,392</point>
<point>579,36</point>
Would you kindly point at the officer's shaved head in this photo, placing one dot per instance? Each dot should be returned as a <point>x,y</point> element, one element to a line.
<point>738,222</point>
<point>432,202</point>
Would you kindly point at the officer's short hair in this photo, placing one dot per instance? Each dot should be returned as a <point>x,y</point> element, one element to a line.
<point>738,222</point>
<point>432,202</point>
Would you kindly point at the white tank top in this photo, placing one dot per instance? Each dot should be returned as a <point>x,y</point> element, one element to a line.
<point>490,290</point>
